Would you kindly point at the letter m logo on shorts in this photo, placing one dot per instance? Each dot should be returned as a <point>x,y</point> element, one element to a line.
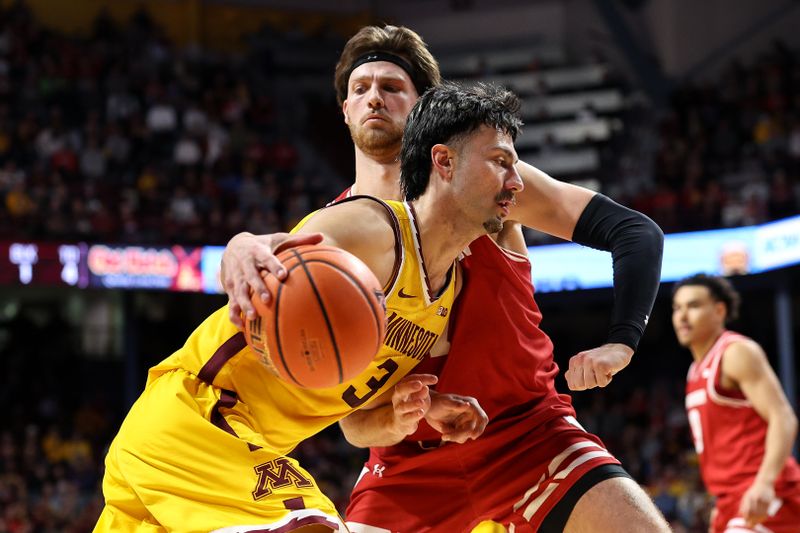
<point>277,474</point>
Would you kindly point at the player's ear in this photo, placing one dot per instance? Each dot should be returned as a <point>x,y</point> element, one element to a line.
<point>442,160</point>
<point>344,112</point>
<point>721,311</point>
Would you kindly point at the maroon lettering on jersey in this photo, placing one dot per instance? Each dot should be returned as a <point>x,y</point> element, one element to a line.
<point>277,474</point>
<point>374,384</point>
<point>408,338</point>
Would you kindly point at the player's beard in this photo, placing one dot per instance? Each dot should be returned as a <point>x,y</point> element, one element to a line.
<point>495,223</point>
<point>379,143</point>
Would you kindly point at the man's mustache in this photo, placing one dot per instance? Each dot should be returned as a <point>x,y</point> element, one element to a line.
<point>505,196</point>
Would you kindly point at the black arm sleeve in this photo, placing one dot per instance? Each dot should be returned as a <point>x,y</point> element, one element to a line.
<point>636,244</point>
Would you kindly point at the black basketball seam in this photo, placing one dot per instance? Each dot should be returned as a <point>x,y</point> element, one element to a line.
<point>357,283</point>
<point>324,314</point>
<point>278,330</point>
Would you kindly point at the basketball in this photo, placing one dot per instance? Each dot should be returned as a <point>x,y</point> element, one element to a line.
<point>325,321</point>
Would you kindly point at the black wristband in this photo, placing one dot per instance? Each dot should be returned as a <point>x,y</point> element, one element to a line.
<point>636,244</point>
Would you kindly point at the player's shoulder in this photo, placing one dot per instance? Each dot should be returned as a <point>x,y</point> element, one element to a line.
<point>363,213</point>
<point>363,205</point>
<point>364,226</point>
<point>742,357</point>
<point>741,346</point>
<point>491,252</point>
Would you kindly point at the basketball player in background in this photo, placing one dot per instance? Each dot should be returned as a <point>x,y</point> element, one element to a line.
<point>203,448</point>
<point>743,426</point>
<point>534,468</point>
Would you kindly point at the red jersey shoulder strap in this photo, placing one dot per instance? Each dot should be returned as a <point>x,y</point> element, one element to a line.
<point>713,378</point>
<point>347,193</point>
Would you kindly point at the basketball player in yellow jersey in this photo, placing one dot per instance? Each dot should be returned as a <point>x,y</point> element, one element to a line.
<point>203,448</point>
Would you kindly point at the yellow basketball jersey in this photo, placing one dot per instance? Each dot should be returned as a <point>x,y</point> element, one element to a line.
<point>285,414</point>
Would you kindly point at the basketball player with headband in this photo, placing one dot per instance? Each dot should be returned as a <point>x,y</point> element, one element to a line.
<point>204,447</point>
<point>534,468</point>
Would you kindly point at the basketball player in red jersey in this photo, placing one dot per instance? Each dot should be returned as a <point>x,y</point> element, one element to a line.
<point>534,468</point>
<point>742,424</point>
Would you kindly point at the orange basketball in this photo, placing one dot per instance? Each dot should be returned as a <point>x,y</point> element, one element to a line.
<point>325,321</point>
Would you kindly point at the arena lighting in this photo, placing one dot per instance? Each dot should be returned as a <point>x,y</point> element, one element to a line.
<point>745,250</point>
<point>557,267</point>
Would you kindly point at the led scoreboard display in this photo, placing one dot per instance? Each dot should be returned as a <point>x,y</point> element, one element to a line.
<point>557,267</point>
<point>175,268</point>
<point>36,263</point>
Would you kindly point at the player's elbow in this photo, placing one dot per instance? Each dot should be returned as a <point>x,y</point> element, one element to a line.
<point>790,421</point>
<point>785,417</point>
<point>653,234</point>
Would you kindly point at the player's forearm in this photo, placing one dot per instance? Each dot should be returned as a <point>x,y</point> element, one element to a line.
<point>781,433</point>
<point>636,244</point>
<point>367,428</point>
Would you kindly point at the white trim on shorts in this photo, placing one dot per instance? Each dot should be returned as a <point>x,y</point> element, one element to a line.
<point>557,472</point>
<point>738,525</point>
<point>283,522</point>
<point>356,527</point>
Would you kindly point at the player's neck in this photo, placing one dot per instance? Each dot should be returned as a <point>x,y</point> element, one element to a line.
<point>377,177</point>
<point>701,347</point>
<point>443,235</point>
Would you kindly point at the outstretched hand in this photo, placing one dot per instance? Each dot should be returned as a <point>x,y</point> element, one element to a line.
<point>596,367</point>
<point>456,417</point>
<point>411,399</point>
<point>245,257</point>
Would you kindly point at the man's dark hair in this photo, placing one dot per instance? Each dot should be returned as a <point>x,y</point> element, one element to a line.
<point>721,290</point>
<point>445,115</point>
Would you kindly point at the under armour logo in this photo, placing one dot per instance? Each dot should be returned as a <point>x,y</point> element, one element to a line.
<point>646,319</point>
<point>377,470</point>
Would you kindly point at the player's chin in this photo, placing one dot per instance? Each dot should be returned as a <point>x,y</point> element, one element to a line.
<point>493,225</point>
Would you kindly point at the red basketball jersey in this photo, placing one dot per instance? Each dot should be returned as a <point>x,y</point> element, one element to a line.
<point>347,193</point>
<point>728,433</point>
<point>497,352</point>
<point>531,453</point>
<point>495,317</point>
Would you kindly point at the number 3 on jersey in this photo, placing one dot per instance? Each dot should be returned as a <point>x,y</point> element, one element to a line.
<point>697,429</point>
<point>374,384</point>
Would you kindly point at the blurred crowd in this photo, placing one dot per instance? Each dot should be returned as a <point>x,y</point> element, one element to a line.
<point>122,137</point>
<point>55,426</point>
<point>728,150</point>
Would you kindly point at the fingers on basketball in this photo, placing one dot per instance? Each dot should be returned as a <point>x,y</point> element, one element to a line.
<point>325,322</point>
